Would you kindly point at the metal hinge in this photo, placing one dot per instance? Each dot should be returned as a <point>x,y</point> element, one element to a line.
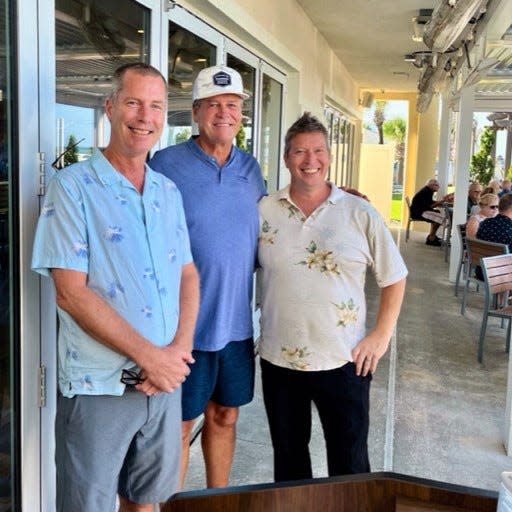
<point>168,5</point>
<point>41,174</point>
<point>41,379</point>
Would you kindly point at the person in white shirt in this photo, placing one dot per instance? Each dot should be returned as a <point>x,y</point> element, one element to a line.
<point>316,243</point>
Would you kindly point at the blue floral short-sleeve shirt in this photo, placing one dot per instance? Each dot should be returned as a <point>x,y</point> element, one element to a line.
<point>132,247</point>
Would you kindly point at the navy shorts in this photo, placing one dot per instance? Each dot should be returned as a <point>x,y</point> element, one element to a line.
<point>226,377</point>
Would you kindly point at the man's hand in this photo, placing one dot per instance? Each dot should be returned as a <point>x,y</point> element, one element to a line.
<point>165,370</point>
<point>368,352</point>
<point>354,192</point>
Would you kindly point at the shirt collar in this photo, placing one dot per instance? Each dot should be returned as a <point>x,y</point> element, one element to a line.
<point>108,175</point>
<point>335,195</point>
<point>198,151</point>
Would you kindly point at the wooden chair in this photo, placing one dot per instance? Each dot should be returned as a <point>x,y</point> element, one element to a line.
<point>463,259</point>
<point>410,220</point>
<point>497,272</point>
<point>478,249</point>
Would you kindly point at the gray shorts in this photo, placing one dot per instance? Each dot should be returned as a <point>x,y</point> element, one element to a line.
<point>108,445</point>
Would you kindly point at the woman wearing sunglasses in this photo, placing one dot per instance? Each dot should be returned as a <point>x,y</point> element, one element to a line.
<point>488,204</point>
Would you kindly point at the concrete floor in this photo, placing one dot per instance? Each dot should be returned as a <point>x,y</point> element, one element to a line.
<point>435,411</point>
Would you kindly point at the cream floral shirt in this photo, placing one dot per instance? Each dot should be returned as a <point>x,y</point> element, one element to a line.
<point>313,276</point>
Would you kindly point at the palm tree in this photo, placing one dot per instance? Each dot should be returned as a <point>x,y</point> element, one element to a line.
<point>378,118</point>
<point>395,129</point>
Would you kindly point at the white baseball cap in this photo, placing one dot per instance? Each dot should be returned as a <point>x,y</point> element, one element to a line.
<point>218,80</point>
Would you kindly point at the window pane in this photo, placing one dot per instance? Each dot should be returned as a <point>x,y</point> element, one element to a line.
<point>244,138</point>
<point>93,38</point>
<point>270,136</point>
<point>335,150</point>
<point>188,54</point>
<point>7,426</point>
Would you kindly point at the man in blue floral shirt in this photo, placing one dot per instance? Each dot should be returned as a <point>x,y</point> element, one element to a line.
<point>113,237</point>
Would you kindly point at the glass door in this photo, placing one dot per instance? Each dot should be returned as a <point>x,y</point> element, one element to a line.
<point>92,39</point>
<point>272,92</point>
<point>192,45</point>
<point>8,359</point>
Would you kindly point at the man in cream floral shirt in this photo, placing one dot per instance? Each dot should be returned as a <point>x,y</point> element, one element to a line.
<point>316,243</point>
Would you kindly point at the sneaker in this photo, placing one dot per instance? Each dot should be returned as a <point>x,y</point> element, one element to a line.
<point>436,242</point>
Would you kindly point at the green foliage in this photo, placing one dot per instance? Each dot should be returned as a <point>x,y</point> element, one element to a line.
<point>71,152</point>
<point>183,135</point>
<point>395,129</point>
<point>240,139</point>
<point>508,174</point>
<point>396,208</point>
<point>481,168</point>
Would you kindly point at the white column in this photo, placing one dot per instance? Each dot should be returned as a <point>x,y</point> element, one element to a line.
<point>444,146</point>
<point>461,178</point>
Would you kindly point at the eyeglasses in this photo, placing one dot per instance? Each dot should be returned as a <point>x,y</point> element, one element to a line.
<point>131,378</point>
<point>493,206</point>
<point>59,162</point>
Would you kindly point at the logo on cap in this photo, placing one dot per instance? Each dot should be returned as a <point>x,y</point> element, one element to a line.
<point>222,79</point>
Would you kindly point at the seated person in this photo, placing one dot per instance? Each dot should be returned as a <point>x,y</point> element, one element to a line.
<point>497,229</point>
<point>505,187</point>
<point>474,191</point>
<point>488,208</point>
<point>423,207</point>
<point>495,187</point>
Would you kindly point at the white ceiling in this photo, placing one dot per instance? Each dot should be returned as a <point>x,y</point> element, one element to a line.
<point>371,38</point>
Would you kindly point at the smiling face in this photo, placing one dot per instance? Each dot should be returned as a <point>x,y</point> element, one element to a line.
<point>308,159</point>
<point>136,114</point>
<point>218,118</point>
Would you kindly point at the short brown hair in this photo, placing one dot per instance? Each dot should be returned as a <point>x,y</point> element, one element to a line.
<point>140,68</point>
<point>505,203</point>
<point>305,124</point>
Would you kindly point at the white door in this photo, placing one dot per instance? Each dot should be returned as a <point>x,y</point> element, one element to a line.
<point>65,66</point>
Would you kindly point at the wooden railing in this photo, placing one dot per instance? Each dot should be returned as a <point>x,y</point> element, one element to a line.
<point>373,492</point>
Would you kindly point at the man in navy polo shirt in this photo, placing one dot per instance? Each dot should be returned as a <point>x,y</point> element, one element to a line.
<point>221,186</point>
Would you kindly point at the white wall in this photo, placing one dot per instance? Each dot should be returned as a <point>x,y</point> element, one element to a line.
<point>282,34</point>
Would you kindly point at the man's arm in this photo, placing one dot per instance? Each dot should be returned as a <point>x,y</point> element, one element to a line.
<point>367,353</point>
<point>165,369</point>
<point>183,341</point>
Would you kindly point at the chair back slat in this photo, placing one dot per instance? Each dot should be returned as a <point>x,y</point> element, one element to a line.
<point>498,270</point>
<point>478,249</point>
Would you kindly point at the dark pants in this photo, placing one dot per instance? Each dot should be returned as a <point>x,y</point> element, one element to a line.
<point>343,402</point>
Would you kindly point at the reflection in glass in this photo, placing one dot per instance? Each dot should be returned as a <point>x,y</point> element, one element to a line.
<point>7,501</point>
<point>188,54</point>
<point>270,139</point>
<point>244,138</point>
<point>92,38</point>
<point>341,139</point>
